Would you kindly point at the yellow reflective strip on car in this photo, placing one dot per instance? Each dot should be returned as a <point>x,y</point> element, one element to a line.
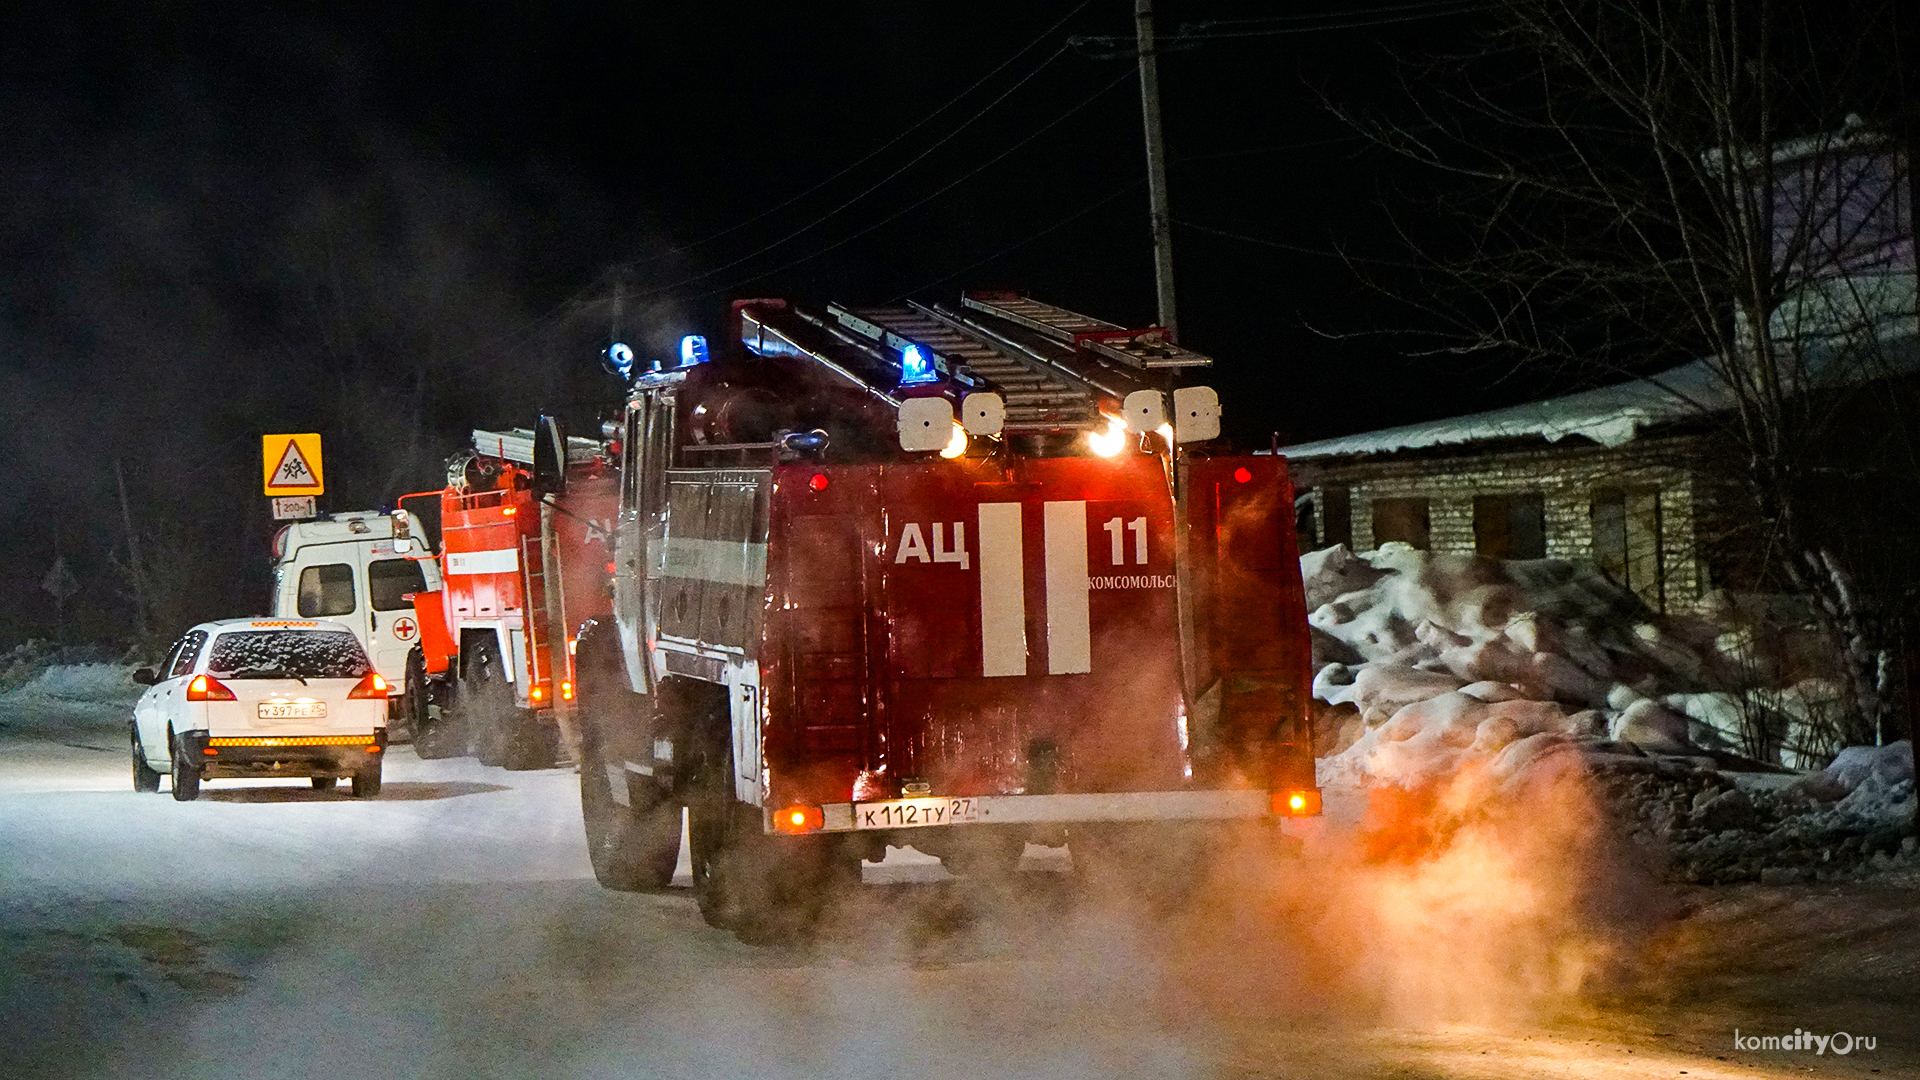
<point>294,740</point>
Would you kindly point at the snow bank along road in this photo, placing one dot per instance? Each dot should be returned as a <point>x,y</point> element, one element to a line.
<point>451,928</point>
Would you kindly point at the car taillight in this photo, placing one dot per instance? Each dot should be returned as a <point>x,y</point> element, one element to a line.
<point>373,686</point>
<point>208,688</point>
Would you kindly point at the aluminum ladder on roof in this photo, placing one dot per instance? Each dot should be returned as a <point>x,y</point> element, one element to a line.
<point>1148,348</point>
<point>1037,399</point>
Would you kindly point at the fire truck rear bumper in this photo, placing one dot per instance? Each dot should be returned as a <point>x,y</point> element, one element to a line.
<point>1059,809</point>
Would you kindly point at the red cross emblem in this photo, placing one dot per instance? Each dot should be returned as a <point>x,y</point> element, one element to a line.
<point>404,628</point>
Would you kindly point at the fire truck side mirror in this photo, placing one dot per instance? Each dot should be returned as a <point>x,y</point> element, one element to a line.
<point>926,423</point>
<point>1196,414</point>
<point>1146,410</point>
<point>984,413</point>
<point>549,457</point>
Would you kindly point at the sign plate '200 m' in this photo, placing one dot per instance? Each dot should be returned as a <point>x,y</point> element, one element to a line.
<point>910,813</point>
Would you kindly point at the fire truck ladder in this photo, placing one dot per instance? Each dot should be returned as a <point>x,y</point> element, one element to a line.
<point>1039,395</point>
<point>533,615</point>
<point>1140,349</point>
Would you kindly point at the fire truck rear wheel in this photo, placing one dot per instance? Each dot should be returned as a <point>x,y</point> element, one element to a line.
<point>486,700</point>
<point>986,853</point>
<point>441,732</point>
<point>768,890</point>
<point>633,847</point>
<point>413,694</point>
<point>529,743</point>
<point>1161,865</point>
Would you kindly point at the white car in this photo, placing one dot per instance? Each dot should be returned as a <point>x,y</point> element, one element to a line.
<point>261,698</point>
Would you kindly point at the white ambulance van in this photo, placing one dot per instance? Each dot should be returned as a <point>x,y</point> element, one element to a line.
<point>357,568</point>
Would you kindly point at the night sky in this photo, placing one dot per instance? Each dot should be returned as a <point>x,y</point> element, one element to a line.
<point>392,223</point>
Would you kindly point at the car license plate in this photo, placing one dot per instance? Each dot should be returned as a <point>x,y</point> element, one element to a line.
<point>292,710</point>
<point>913,813</point>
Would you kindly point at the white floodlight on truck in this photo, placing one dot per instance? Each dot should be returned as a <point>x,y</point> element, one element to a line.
<point>926,423</point>
<point>1196,414</point>
<point>1146,410</point>
<point>983,413</point>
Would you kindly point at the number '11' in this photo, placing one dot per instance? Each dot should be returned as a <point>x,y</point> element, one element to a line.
<point>1116,531</point>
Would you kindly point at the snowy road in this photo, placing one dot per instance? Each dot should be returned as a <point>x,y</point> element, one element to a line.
<point>451,928</point>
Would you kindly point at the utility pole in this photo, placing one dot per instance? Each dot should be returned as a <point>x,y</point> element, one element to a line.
<point>1156,166</point>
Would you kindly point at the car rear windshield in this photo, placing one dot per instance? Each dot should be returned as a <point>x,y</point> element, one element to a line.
<point>280,654</point>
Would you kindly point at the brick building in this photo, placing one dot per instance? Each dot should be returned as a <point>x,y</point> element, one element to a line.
<point>1609,476</point>
<point>1618,475</point>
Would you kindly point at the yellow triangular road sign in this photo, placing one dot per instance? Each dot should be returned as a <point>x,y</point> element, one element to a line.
<point>292,464</point>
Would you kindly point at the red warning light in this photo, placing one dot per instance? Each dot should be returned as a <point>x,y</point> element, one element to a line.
<point>1242,475</point>
<point>819,482</point>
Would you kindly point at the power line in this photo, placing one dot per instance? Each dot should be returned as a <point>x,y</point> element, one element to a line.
<point>1109,197</point>
<point>1298,248</point>
<point>1319,27</point>
<point>1316,16</point>
<point>963,178</point>
<point>1291,24</point>
<point>580,301</point>
<point>1016,245</point>
<point>862,160</point>
<point>877,185</point>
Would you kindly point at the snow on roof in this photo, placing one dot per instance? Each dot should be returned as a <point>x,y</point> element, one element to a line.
<point>1610,416</point>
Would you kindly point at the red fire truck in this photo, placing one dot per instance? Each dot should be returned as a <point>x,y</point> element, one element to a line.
<point>517,569</point>
<point>954,577</point>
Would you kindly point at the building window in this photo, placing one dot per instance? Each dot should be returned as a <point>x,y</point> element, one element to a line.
<point>1627,544</point>
<point>1510,526</point>
<point>1405,520</point>
<point>1336,516</point>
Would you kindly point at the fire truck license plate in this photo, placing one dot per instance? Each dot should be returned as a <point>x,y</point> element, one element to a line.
<point>909,813</point>
<point>292,710</point>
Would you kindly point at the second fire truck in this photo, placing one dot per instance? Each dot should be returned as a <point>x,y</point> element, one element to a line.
<point>516,569</point>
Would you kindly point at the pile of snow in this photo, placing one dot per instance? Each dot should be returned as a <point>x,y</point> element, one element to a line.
<point>1866,783</point>
<point>1710,827</point>
<point>103,683</point>
<point>62,698</point>
<point>1450,674</point>
<point>1423,657</point>
<point>25,662</point>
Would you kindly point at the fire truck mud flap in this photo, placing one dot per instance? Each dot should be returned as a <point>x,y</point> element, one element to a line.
<point>1143,806</point>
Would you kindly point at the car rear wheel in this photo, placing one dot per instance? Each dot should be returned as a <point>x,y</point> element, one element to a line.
<point>323,783</point>
<point>146,778</point>
<point>366,782</point>
<point>186,775</point>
